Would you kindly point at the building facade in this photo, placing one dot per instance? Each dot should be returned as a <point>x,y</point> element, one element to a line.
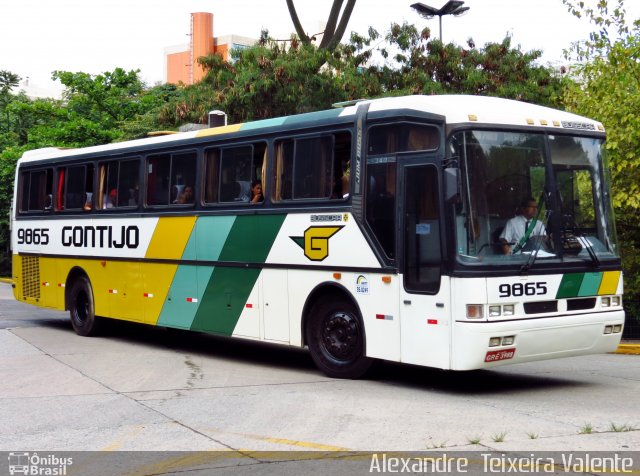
<point>182,60</point>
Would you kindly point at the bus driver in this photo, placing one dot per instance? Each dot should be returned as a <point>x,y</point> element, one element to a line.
<point>516,228</point>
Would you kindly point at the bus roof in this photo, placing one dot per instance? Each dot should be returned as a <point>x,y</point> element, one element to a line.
<point>457,109</point>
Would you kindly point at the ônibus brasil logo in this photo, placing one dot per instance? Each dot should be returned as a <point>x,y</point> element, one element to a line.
<point>34,464</point>
<point>315,241</point>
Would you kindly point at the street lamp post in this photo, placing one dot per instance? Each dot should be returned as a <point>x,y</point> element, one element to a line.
<point>452,7</point>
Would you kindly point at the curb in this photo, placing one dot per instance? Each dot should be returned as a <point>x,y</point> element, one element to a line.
<point>629,349</point>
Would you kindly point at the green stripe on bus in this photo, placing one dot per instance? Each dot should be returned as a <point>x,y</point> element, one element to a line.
<point>211,235</point>
<point>205,243</point>
<point>250,240</point>
<point>570,285</point>
<point>590,284</point>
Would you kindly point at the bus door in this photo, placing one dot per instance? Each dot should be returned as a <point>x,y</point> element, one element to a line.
<point>424,296</point>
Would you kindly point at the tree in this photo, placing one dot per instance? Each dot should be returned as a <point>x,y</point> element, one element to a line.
<point>8,81</point>
<point>422,65</point>
<point>607,88</point>
<point>336,26</point>
<point>96,110</point>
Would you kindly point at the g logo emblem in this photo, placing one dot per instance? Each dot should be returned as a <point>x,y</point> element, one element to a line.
<point>315,241</point>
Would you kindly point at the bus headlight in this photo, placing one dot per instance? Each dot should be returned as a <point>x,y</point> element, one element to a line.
<point>616,300</point>
<point>508,340</point>
<point>494,341</point>
<point>494,311</point>
<point>508,310</point>
<point>605,301</point>
<point>617,328</point>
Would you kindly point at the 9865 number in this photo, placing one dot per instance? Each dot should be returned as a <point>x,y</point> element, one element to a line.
<point>33,236</point>
<point>522,289</point>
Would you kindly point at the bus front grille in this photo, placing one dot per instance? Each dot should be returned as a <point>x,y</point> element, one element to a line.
<point>540,307</point>
<point>31,277</point>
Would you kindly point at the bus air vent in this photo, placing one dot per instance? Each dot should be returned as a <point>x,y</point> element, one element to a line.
<point>580,304</point>
<point>31,277</point>
<point>540,307</point>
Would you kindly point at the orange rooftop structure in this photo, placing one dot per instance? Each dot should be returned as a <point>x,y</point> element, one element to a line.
<point>182,60</point>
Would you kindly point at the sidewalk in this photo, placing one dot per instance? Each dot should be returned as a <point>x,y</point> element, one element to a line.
<point>630,347</point>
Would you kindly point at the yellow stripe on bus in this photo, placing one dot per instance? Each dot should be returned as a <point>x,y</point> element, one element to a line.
<point>219,130</point>
<point>170,237</point>
<point>609,283</point>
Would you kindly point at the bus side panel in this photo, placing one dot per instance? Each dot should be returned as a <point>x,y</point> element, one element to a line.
<point>275,305</point>
<point>378,302</point>
<point>157,279</point>
<point>48,289</point>
<point>426,326</point>
<point>249,323</point>
<point>98,274</point>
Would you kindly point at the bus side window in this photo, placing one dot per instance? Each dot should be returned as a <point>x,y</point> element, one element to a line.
<point>231,171</point>
<point>212,176</point>
<point>183,178</point>
<point>75,187</point>
<point>37,190</point>
<point>402,137</point>
<point>167,177</point>
<point>118,184</point>
<point>313,167</point>
<point>158,169</point>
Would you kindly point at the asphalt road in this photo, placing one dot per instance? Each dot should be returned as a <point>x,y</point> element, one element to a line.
<point>143,388</point>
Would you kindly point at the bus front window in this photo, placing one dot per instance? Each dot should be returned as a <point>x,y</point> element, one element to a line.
<point>518,201</point>
<point>584,223</point>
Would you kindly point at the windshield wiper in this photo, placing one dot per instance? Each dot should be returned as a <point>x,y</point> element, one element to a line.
<point>532,257</point>
<point>587,244</point>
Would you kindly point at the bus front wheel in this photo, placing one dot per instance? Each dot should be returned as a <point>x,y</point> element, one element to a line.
<point>335,336</point>
<point>82,308</point>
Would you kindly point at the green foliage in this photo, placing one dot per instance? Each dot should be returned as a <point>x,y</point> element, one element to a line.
<point>607,87</point>
<point>96,110</point>
<point>427,66</point>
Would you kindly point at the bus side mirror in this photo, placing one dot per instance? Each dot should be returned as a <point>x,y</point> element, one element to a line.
<point>452,185</point>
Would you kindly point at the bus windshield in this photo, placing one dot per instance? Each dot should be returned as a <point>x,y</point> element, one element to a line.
<point>531,199</point>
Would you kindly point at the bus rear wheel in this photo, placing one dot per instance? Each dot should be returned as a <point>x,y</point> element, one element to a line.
<point>82,308</point>
<point>335,336</point>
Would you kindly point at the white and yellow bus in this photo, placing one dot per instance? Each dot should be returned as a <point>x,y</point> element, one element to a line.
<point>378,235</point>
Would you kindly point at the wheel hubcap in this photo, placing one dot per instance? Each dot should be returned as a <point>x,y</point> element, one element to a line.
<point>340,335</point>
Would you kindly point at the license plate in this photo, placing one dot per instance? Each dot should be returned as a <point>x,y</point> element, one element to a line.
<point>495,355</point>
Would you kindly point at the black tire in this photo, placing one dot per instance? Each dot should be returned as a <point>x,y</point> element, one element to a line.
<point>82,308</point>
<point>336,339</point>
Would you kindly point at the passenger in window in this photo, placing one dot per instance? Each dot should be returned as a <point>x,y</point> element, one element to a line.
<point>133,197</point>
<point>110,200</point>
<point>520,226</point>
<point>256,192</point>
<point>186,196</point>
<point>88,202</point>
